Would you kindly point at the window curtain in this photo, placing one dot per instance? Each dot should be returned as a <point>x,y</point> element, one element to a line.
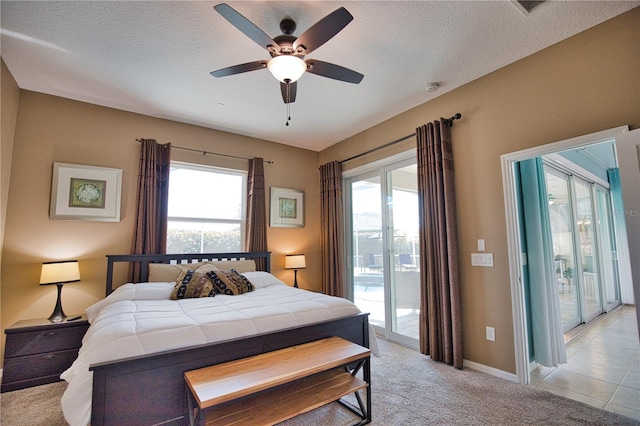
<point>332,226</point>
<point>150,233</point>
<point>546,317</point>
<point>440,304</point>
<point>256,232</point>
<point>620,225</point>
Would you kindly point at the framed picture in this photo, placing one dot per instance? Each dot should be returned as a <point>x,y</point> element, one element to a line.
<point>287,207</point>
<point>85,193</point>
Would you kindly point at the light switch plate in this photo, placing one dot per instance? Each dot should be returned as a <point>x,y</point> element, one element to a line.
<point>482,259</point>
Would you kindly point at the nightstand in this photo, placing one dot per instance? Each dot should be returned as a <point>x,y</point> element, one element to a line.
<point>38,351</point>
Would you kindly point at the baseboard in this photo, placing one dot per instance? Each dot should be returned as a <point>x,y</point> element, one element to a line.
<point>533,365</point>
<point>491,371</point>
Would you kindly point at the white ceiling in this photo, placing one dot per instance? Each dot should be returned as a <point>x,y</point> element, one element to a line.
<point>154,57</point>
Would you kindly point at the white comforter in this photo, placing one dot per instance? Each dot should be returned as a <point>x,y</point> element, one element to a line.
<point>140,319</point>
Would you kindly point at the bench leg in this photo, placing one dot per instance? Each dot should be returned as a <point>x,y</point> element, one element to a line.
<point>361,410</point>
<point>195,415</point>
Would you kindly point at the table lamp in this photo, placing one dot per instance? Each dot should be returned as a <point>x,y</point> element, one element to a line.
<point>59,273</point>
<point>295,262</point>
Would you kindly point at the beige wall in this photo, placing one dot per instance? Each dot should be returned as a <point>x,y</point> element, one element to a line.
<point>9,98</point>
<point>585,84</point>
<point>52,129</point>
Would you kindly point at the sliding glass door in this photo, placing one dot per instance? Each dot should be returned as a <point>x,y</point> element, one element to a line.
<point>588,250</point>
<point>608,249</point>
<point>367,271</point>
<point>584,247</point>
<point>561,217</point>
<point>383,248</point>
<point>404,251</point>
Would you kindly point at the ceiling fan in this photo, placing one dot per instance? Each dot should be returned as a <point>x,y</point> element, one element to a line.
<point>287,51</point>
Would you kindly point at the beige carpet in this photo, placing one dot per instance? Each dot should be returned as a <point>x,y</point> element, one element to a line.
<point>407,388</point>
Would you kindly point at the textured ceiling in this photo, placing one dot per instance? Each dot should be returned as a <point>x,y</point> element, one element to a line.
<point>154,57</point>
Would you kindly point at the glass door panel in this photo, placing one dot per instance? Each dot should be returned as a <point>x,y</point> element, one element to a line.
<point>367,248</point>
<point>563,248</point>
<point>608,253</point>
<point>588,250</point>
<point>584,246</point>
<point>405,252</point>
<point>384,249</point>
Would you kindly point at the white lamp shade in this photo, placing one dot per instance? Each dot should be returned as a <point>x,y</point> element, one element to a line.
<point>295,261</point>
<point>59,272</point>
<point>287,67</point>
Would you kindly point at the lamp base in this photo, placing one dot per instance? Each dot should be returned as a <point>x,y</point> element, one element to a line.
<point>58,314</point>
<point>295,278</point>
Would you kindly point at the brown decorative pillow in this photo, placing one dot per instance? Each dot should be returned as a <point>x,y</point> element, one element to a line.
<point>191,284</point>
<point>230,282</point>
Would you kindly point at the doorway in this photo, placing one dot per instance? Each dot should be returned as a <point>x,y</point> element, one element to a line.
<point>517,259</point>
<point>383,248</point>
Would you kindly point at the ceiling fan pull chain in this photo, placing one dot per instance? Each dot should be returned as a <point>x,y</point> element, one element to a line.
<point>288,114</point>
<point>288,104</point>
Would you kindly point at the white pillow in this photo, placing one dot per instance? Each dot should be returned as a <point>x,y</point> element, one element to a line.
<point>261,279</point>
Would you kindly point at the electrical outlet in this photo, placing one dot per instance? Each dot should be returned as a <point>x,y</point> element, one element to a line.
<point>491,334</point>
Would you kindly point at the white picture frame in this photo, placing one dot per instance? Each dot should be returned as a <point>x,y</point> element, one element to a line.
<point>85,193</point>
<point>287,208</point>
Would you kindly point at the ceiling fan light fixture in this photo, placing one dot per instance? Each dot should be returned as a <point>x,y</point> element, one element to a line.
<point>287,68</point>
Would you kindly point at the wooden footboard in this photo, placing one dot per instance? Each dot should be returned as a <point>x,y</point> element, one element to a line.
<point>150,390</point>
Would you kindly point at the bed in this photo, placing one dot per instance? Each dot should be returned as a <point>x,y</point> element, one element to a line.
<point>130,369</point>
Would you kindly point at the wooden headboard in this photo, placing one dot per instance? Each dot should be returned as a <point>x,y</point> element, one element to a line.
<point>145,259</point>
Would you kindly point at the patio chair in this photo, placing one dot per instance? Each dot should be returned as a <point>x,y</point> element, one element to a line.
<point>406,262</point>
<point>369,262</point>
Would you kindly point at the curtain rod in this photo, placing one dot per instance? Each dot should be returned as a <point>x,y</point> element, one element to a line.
<point>210,153</point>
<point>449,121</point>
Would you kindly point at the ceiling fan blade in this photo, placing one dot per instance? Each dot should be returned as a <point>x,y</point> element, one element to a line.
<point>325,69</point>
<point>289,92</point>
<point>238,69</point>
<point>322,31</point>
<point>247,27</point>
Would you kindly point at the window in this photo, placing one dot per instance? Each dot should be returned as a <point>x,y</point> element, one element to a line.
<point>206,209</point>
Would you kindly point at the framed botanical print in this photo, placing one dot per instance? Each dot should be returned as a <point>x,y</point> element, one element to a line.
<point>85,193</point>
<point>287,207</point>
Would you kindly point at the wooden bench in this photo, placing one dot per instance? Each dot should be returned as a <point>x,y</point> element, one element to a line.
<point>272,387</point>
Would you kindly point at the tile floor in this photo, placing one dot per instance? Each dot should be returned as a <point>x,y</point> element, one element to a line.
<point>603,368</point>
